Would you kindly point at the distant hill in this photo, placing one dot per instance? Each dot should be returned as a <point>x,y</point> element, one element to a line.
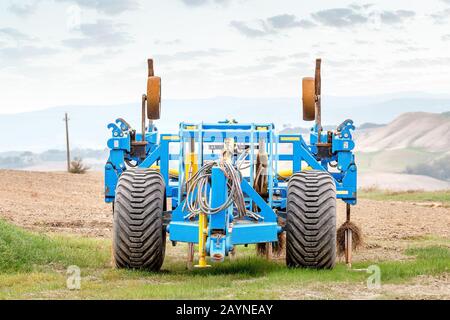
<point>403,182</point>
<point>370,125</point>
<point>414,130</point>
<point>411,152</point>
<point>44,129</point>
<point>413,143</point>
<point>438,168</point>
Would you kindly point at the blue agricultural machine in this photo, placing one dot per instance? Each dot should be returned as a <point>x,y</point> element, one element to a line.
<point>220,185</point>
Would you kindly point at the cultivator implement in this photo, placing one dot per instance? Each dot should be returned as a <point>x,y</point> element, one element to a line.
<point>220,185</point>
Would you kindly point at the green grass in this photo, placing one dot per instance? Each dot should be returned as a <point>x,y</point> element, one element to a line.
<point>429,260</point>
<point>410,195</point>
<point>33,266</point>
<point>22,251</point>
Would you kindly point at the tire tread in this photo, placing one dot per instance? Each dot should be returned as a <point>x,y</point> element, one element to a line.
<point>311,220</point>
<point>138,233</point>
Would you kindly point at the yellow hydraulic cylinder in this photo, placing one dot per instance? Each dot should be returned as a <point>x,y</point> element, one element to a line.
<point>202,230</point>
<point>287,173</point>
<point>191,165</point>
<point>172,171</point>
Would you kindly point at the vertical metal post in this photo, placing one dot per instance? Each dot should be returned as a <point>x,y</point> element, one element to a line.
<point>317,85</point>
<point>218,222</point>
<point>270,146</point>
<point>277,157</point>
<point>218,196</point>
<point>202,225</point>
<point>144,98</point>
<point>190,258</point>
<point>164,164</point>
<point>181,176</point>
<point>296,157</point>
<point>202,217</point>
<point>252,159</point>
<point>66,119</point>
<point>269,250</point>
<point>191,158</point>
<point>191,169</point>
<point>348,240</point>
<point>200,146</point>
<point>151,72</point>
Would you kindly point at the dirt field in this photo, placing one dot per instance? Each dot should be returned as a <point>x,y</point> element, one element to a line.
<point>56,202</point>
<point>63,203</point>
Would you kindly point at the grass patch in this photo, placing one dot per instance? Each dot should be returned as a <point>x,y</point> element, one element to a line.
<point>24,251</point>
<point>409,195</point>
<point>428,261</point>
<point>32,267</point>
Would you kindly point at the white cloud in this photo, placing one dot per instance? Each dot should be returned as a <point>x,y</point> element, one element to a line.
<point>10,56</point>
<point>24,8</point>
<point>199,3</point>
<point>215,48</point>
<point>111,7</point>
<point>14,34</point>
<point>102,33</point>
<point>188,56</point>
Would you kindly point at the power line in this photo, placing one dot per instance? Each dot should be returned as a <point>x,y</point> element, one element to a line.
<point>66,119</point>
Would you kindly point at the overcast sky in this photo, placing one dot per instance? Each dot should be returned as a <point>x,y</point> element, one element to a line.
<point>59,52</point>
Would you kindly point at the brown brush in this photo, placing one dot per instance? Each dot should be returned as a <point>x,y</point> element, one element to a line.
<point>280,246</point>
<point>357,239</point>
<point>277,247</point>
<point>261,249</point>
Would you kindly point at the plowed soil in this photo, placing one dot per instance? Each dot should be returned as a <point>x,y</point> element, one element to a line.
<point>67,203</point>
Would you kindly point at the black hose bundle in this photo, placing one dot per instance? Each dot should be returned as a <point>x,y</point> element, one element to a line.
<point>197,200</point>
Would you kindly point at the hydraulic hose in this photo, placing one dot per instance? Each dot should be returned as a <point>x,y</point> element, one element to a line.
<point>197,200</point>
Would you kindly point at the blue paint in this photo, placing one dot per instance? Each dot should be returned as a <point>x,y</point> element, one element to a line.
<point>225,228</point>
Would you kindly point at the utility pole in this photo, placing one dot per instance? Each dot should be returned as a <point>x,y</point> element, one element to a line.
<point>66,119</point>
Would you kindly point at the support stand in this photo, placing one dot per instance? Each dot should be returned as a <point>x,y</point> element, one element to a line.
<point>190,257</point>
<point>202,225</point>
<point>348,241</point>
<point>269,251</point>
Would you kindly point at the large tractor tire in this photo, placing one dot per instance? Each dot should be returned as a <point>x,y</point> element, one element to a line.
<point>139,236</point>
<point>311,220</point>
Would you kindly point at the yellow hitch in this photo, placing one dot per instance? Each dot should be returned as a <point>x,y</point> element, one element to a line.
<point>202,231</point>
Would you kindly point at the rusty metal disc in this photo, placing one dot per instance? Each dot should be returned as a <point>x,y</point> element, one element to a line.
<point>308,98</point>
<point>153,98</point>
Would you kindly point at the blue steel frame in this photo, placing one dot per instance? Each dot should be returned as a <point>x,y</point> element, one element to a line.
<point>224,231</point>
